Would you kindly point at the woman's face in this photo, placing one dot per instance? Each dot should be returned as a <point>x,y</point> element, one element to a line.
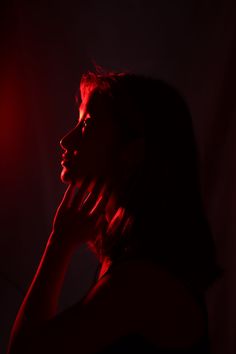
<point>90,147</point>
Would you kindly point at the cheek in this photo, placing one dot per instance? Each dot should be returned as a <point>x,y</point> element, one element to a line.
<point>99,150</point>
<point>103,158</point>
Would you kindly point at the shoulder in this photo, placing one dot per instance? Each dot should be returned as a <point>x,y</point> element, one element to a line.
<point>135,297</point>
<point>103,316</point>
<point>168,311</point>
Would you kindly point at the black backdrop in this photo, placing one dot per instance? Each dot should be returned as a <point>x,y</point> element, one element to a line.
<point>45,47</point>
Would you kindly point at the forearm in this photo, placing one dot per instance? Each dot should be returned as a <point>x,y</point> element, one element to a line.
<point>41,300</point>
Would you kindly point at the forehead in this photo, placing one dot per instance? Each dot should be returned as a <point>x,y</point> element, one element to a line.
<point>94,104</point>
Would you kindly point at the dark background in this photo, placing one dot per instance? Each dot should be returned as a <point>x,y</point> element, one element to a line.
<point>45,47</point>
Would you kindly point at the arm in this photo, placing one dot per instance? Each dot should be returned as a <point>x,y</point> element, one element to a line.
<point>40,302</point>
<point>107,313</point>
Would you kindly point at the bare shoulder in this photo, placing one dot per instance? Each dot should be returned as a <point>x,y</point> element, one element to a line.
<point>169,313</point>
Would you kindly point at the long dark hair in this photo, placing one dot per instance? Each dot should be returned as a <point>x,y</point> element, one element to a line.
<point>164,198</point>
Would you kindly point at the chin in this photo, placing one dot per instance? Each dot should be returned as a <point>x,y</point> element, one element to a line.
<point>68,177</point>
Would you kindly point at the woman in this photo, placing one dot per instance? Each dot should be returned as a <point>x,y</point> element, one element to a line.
<point>134,198</point>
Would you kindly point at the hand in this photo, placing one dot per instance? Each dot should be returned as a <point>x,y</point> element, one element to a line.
<point>119,228</point>
<point>80,215</point>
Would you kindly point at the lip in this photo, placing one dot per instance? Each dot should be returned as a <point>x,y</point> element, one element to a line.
<point>67,162</point>
<point>69,158</point>
<point>64,163</point>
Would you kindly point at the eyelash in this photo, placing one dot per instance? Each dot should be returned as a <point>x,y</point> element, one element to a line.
<point>85,123</point>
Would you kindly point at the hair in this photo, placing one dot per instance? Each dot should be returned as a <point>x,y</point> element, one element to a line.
<point>170,226</point>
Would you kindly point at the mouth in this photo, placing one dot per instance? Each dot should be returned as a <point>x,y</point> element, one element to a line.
<point>65,163</point>
<point>68,163</point>
<point>68,160</point>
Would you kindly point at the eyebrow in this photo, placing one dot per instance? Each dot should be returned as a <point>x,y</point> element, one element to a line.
<point>81,112</point>
<point>83,115</point>
<point>85,108</point>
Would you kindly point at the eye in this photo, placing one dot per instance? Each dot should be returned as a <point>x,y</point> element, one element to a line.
<point>86,122</point>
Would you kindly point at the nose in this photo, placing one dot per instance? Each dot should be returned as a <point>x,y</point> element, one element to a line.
<point>71,140</point>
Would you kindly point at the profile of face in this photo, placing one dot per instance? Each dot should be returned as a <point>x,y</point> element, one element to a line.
<point>90,147</point>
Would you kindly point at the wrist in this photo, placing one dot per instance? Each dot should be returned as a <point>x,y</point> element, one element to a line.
<point>58,244</point>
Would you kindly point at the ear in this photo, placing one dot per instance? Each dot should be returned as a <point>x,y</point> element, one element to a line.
<point>132,154</point>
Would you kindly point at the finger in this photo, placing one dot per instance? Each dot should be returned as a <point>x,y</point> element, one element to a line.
<point>81,193</point>
<point>127,225</point>
<point>95,197</point>
<point>106,194</point>
<point>116,221</point>
<point>100,205</point>
<point>101,202</point>
<point>114,231</point>
<point>122,224</point>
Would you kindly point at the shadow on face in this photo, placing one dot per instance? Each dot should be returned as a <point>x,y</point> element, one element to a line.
<point>91,148</point>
